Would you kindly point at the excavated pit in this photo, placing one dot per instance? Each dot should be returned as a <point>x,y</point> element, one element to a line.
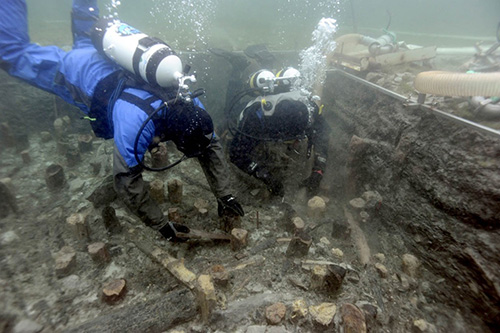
<point>431,190</point>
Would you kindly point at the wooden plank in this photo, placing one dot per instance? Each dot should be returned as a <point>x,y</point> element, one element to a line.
<point>402,57</point>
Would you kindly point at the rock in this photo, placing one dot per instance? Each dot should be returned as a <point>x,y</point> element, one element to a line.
<point>372,199</point>
<point>323,314</point>
<point>420,326</point>
<point>410,264</point>
<point>256,329</point>
<point>219,275</point>
<point>276,329</point>
<point>275,313</point>
<point>373,76</point>
<point>337,253</point>
<point>382,270</point>
<point>380,257</point>
<point>405,283</point>
<point>65,261</point>
<point>316,207</point>
<point>27,326</point>
<point>8,237</point>
<point>299,310</point>
<point>45,136</point>
<point>324,241</point>
<point>364,216</point>
<point>201,204</point>
<point>76,185</point>
<point>353,319</point>
<point>357,203</point>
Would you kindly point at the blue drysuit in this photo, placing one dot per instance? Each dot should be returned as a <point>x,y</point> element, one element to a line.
<point>85,78</point>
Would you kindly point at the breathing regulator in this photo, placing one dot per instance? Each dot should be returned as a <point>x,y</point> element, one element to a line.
<point>152,61</point>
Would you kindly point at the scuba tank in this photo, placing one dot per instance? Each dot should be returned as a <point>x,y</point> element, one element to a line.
<point>148,58</point>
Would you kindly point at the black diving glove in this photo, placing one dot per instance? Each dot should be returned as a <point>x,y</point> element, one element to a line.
<point>273,185</point>
<point>169,231</point>
<point>312,183</point>
<point>228,204</point>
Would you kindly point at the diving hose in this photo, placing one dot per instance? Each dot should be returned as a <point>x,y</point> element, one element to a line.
<point>464,84</point>
<point>166,104</point>
<point>458,84</point>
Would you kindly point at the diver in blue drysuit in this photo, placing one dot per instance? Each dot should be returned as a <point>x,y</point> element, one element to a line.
<point>87,79</point>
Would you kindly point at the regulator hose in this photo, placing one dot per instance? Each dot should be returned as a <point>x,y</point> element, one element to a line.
<point>458,84</point>
<point>163,105</point>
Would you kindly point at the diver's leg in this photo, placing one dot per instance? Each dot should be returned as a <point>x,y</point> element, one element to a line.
<point>32,63</point>
<point>84,15</point>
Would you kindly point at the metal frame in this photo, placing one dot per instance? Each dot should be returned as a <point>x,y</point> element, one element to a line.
<point>407,102</point>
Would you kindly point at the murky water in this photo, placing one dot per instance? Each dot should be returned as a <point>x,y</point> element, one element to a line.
<point>305,31</point>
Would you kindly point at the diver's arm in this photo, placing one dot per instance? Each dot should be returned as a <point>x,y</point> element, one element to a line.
<point>319,134</point>
<point>216,169</point>
<point>245,141</point>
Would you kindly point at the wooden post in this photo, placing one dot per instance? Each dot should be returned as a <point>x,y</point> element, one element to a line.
<point>230,221</point>
<point>299,245</point>
<point>85,142</point>
<point>159,156</point>
<point>73,156</point>
<point>114,291</point>
<point>207,299</point>
<point>157,191</point>
<point>79,224</point>
<point>110,220</point>
<point>174,215</point>
<point>175,191</point>
<point>25,155</point>
<point>54,177</point>
<point>7,197</point>
<point>99,253</point>
<point>318,274</point>
<point>239,239</point>
<point>296,226</point>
